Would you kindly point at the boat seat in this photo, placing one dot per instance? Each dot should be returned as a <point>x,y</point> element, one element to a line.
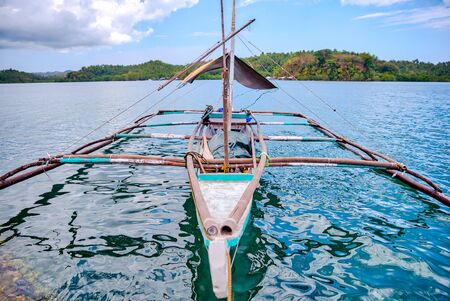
<point>222,191</point>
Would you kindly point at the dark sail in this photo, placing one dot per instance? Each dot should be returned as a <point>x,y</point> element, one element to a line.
<point>243,73</point>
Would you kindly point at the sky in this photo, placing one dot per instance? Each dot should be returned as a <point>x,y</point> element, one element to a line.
<point>58,35</point>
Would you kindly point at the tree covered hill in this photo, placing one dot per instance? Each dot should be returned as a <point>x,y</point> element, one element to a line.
<point>346,66</point>
<point>150,70</point>
<point>14,76</point>
<point>304,65</point>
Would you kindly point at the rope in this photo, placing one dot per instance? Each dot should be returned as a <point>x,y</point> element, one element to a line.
<point>235,252</point>
<point>225,168</point>
<point>230,281</point>
<point>279,87</point>
<point>256,100</point>
<point>209,109</point>
<point>134,104</point>
<point>111,119</point>
<point>309,90</point>
<point>158,102</point>
<point>267,157</point>
<point>243,93</point>
<point>197,157</point>
<point>165,97</point>
<point>188,92</point>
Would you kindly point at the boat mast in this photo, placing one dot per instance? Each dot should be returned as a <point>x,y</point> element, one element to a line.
<point>231,75</point>
<point>226,111</point>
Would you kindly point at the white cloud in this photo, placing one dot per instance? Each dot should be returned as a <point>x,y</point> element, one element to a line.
<point>243,3</point>
<point>377,15</point>
<point>371,2</point>
<point>247,2</point>
<point>437,16</point>
<point>80,23</point>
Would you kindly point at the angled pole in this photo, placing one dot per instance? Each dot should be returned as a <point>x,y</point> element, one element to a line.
<point>204,55</point>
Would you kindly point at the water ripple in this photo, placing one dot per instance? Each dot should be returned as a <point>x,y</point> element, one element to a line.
<point>95,232</point>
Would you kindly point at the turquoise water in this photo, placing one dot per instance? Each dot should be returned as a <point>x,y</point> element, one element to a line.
<point>130,232</point>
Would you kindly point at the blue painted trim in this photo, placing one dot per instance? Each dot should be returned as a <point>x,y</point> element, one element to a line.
<point>172,113</point>
<point>84,160</point>
<point>227,177</point>
<point>234,115</point>
<point>233,242</point>
<point>205,240</point>
<point>296,123</point>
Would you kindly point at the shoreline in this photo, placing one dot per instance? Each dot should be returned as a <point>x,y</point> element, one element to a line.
<point>276,80</point>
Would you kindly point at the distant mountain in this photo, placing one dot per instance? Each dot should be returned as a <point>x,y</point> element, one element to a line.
<point>324,64</point>
<point>51,74</point>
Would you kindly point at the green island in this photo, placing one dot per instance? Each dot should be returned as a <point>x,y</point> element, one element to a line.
<point>323,64</point>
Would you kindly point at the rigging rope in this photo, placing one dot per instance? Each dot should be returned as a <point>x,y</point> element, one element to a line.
<point>140,100</point>
<point>308,89</point>
<point>230,281</point>
<point>282,89</point>
<point>235,252</point>
<point>165,97</point>
<point>256,100</point>
<point>111,119</point>
<point>243,93</point>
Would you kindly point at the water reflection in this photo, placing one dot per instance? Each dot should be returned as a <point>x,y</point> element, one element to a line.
<point>11,225</point>
<point>290,249</point>
<point>130,232</point>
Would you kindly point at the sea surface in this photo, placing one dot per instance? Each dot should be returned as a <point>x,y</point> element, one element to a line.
<point>97,232</point>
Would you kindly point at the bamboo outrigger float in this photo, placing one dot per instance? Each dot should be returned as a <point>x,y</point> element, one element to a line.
<point>224,177</point>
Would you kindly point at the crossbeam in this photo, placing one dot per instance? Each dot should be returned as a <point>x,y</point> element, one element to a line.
<point>155,135</point>
<point>305,123</point>
<point>268,138</point>
<point>267,113</point>
<point>150,125</point>
<point>217,163</point>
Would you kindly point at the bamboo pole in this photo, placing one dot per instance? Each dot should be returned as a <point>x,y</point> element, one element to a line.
<point>187,137</point>
<point>203,212</point>
<point>249,127</point>
<point>231,75</point>
<point>272,161</point>
<point>225,105</point>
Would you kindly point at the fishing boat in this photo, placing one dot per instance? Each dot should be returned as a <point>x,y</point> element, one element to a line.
<point>226,154</point>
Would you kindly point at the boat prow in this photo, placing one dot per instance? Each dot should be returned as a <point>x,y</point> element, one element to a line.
<point>223,197</point>
<point>228,212</point>
<point>220,267</point>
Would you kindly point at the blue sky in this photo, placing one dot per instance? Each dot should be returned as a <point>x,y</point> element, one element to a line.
<point>49,35</point>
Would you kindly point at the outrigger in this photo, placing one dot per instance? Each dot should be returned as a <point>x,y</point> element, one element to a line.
<point>226,157</point>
